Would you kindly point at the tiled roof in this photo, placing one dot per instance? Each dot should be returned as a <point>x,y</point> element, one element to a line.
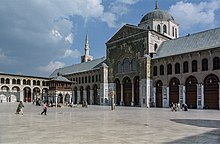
<point>81,67</point>
<point>191,43</point>
<point>60,78</point>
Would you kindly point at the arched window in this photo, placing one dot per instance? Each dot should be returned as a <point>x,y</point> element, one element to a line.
<point>7,81</point>
<point>133,65</point>
<point>148,27</point>
<point>96,78</point>
<point>28,82</point>
<point>164,29</point>
<point>169,69</point>
<point>38,83</point>
<point>89,79</point>
<point>194,66</point>
<point>79,80</point>
<point>185,67</point>
<point>93,78</point>
<point>204,64</point>
<point>2,80</point>
<point>158,28</point>
<point>173,31</point>
<point>34,82</point>
<point>216,64</point>
<point>161,70</point>
<point>86,79</point>
<point>18,81</point>
<point>155,71</point>
<point>177,68</point>
<point>13,81</point>
<point>155,47</point>
<point>24,82</point>
<point>126,65</point>
<point>119,67</point>
<point>82,79</point>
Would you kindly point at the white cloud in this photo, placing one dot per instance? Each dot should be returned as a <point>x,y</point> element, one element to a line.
<point>72,53</point>
<point>190,14</point>
<point>53,65</point>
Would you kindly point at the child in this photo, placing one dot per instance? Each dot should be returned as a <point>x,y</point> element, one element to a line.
<point>44,109</point>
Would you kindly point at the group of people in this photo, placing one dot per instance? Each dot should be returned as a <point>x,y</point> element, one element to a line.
<point>176,107</point>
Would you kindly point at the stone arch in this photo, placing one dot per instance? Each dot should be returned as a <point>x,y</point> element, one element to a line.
<point>37,94</point>
<point>159,97</point>
<point>5,88</point>
<point>191,92</point>
<point>127,91</point>
<point>174,90</point>
<point>60,98</point>
<point>211,92</point>
<point>136,81</point>
<point>27,94</point>
<point>3,98</point>
<point>67,98</point>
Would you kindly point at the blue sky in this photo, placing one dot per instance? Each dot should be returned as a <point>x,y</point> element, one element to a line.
<point>38,36</point>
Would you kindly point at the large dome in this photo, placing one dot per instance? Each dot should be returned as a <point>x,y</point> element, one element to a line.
<point>157,15</point>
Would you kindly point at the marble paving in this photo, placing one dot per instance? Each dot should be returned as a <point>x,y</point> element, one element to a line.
<point>100,125</point>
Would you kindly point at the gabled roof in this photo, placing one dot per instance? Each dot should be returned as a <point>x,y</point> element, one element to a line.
<point>60,78</point>
<point>125,31</point>
<point>196,42</point>
<point>81,67</point>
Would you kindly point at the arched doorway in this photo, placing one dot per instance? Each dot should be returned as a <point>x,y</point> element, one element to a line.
<point>16,91</point>
<point>95,89</point>
<point>136,91</point>
<point>211,92</point>
<point>81,95</point>
<point>60,98</point>
<point>88,94</point>
<point>45,95</point>
<point>118,92</point>
<point>174,90</point>
<point>67,99</point>
<point>127,91</point>
<point>159,98</point>
<point>27,94</point>
<point>75,94</point>
<point>191,92</point>
<point>36,94</point>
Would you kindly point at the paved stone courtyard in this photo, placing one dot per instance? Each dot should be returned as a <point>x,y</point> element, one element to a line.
<point>100,125</point>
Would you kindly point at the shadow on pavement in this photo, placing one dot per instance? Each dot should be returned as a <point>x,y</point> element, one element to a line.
<point>212,137</point>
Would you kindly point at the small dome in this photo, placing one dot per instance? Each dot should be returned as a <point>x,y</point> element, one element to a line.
<point>157,15</point>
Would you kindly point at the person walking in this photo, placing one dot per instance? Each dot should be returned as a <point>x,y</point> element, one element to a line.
<point>20,108</point>
<point>44,109</point>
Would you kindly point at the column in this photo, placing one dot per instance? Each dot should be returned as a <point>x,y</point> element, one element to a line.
<point>202,96</point>
<point>199,96</point>
<point>56,99</point>
<point>91,96</point>
<point>154,97</point>
<point>184,95</point>
<point>84,95</point>
<point>219,95</point>
<point>122,101</point>
<point>78,96</point>
<point>181,94</point>
<point>132,89</point>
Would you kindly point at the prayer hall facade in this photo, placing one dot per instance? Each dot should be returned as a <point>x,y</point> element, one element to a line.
<point>146,65</point>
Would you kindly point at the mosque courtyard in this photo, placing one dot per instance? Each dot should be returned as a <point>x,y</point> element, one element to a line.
<point>100,125</point>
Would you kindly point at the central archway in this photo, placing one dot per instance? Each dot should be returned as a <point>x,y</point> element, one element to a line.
<point>27,94</point>
<point>211,92</point>
<point>191,92</point>
<point>127,91</point>
<point>174,90</point>
<point>159,98</point>
<point>95,95</point>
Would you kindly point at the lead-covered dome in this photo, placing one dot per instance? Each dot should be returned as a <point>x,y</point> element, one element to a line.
<point>157,15</point>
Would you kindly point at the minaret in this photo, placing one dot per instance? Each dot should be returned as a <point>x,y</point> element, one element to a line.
<point>86,57</point>
<point>156,6</point>
<point>87,45</point>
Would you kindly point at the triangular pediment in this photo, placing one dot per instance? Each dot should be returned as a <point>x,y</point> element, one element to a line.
<point>126,31</point>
